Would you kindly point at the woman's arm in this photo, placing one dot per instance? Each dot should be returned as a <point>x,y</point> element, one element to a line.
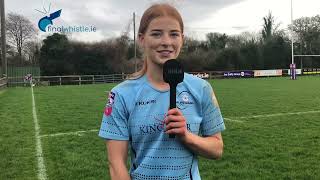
<point>117,157</point>
<point>209,147</point>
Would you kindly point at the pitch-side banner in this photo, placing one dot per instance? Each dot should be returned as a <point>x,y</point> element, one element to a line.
<point>261,73</point>
<point>311,71</point>
<point>298,71</point>
<point>201,75</point>
<point>238,74</point>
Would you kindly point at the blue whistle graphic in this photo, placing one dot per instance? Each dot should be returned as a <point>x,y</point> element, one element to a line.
<point>47,20</point>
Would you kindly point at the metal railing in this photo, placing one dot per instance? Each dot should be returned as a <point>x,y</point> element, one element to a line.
<point>116,78</point>
<point>3,82</point>
<point>67,80</point>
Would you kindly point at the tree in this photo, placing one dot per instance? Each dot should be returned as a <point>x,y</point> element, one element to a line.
<point>32,52</point>
<point>251,55</point>
<point>276,53</point>
<point>19,31</point>
<point>54,56</point>
<point>217,41</point>
<point>307,30</point>
<point>267,27</point>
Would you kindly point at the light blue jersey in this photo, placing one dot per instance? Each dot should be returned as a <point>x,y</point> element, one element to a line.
<point>135,112</point>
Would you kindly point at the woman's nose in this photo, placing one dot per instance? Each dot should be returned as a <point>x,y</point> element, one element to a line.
<point>166,40</point>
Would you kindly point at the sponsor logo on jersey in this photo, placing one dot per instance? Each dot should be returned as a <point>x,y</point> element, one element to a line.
<point>147,102</point>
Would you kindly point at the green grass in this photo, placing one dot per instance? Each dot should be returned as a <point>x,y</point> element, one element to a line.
<point>278,147</point>
<point>17,150</point>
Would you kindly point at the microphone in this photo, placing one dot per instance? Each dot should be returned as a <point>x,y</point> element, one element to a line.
<point>173,74</point>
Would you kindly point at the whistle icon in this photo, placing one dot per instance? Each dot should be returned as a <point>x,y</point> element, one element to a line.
<point>47,20</point>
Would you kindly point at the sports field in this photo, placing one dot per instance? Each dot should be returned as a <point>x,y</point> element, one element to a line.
<point>272,131</point>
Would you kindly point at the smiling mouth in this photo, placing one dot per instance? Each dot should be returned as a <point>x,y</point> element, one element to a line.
<point>165,53</point>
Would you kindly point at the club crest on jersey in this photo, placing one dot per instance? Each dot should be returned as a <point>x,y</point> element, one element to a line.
<point>108,108</point>
<point>184,100</point>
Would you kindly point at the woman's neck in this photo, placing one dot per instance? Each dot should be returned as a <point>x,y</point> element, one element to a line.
<point>155,76</point>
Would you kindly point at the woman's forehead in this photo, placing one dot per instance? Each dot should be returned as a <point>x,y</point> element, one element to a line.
<point>164,23</point>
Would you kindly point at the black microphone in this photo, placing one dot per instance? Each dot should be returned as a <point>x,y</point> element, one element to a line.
<point>173,74</point>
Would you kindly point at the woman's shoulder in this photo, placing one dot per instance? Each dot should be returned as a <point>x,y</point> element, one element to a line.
<point>194,81</point>
<point>129,86</point>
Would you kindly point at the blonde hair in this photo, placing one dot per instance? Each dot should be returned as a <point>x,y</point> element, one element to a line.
<point>155,11</point>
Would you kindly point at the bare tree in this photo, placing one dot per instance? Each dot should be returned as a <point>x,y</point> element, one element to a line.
<point>32,52</point>
<point>19,31</point>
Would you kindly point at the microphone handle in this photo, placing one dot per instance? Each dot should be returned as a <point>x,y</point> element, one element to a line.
<point>173,91</point>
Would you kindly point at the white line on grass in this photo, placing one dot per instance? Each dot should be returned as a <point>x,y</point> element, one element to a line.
<point>69,133</point>
<point>278,114</point>
<point>227,119</point>
<point>41,166</point>
<point>233,120</point>
<point>236,119</point>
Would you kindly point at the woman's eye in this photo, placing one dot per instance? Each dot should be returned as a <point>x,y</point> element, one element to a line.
<point>156,34</point>
<point>175,34</point>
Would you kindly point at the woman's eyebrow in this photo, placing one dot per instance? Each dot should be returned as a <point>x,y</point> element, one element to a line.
<point>174,30</point>
<point>156,30</point>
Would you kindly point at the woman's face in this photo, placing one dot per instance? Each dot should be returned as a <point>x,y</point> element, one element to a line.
<point>162,40</point>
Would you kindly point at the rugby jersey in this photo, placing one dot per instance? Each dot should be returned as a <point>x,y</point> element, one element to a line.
<point>135,112</point>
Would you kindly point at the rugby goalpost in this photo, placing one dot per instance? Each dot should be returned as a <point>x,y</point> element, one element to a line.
<point>293,65</point>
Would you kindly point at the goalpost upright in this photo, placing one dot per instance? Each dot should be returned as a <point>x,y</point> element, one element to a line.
<point>292,65</point>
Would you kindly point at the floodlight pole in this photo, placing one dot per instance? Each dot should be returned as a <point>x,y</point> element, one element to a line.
<point>134,42</point>
<point>3,39</point>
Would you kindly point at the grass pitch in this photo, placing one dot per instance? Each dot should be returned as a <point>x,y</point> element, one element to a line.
<point>272,131</point>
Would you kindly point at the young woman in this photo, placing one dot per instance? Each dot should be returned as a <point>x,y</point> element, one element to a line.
<point>136,116</point>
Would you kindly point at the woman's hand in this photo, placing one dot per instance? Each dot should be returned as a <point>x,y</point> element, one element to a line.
<point>209,146</point>
<point>176,123</point>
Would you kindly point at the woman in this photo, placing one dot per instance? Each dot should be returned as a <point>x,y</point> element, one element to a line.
<point>137,115</point>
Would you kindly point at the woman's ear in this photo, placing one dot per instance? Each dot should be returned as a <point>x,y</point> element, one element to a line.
<point>140,40</point>
<point>182,35</point>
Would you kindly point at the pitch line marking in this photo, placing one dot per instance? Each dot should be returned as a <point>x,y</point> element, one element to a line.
<point>233,120</point>
<point>227,119</point>
<point>69,133</point>
<point>278,114</point>
<point>41,166</point>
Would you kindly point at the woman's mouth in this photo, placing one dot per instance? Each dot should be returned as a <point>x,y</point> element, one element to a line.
<point>165,53</point>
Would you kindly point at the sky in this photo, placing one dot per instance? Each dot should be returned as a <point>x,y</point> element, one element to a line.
<point>113,17</point>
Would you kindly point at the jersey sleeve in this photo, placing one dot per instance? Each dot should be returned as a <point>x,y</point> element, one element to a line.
<point>115,119</point>
<point>212,121</point>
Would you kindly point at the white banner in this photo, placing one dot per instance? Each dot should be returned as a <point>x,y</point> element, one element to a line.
<point>201,75</point>
<point>298,71</point>
<point>261,73</point>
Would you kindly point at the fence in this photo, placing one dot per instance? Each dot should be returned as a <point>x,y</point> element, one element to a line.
<point>16,74</point>
<point>3,83</point>
<point>68,80</point>
<point>115,78</point>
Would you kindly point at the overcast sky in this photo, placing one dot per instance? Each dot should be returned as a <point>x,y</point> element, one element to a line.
<point>111,17</point>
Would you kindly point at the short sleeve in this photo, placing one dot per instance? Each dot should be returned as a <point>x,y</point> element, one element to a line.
<point>115,120</point>
<point>212,121</point>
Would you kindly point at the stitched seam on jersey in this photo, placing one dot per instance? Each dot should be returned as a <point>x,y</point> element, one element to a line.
<point>114,124</point>
<point>213,127</point>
